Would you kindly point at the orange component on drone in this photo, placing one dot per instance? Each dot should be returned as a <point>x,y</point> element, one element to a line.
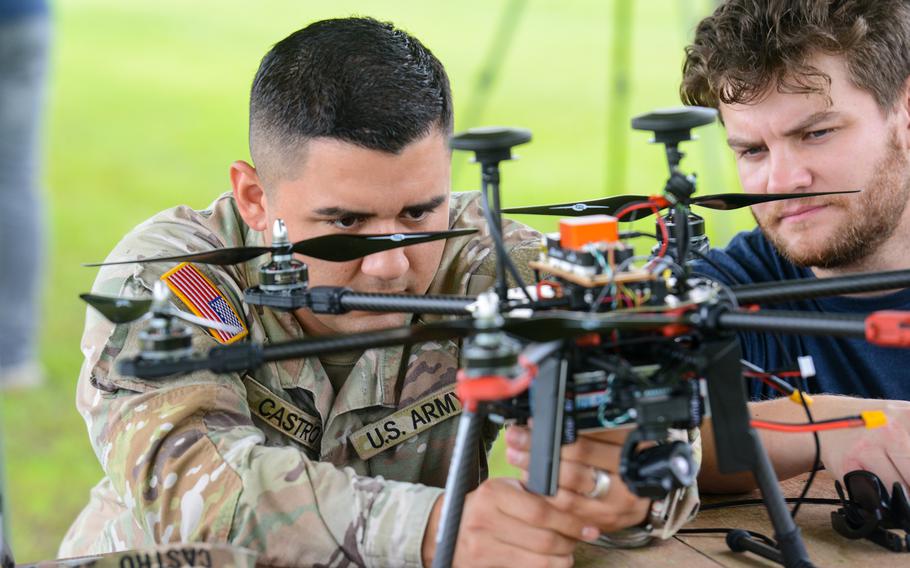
<point>576,232</point>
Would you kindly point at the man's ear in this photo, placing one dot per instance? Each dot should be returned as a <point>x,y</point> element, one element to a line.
<point>902,107</point>
<point>250,196</point>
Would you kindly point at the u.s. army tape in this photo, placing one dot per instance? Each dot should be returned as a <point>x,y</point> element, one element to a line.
<point>406,423</point>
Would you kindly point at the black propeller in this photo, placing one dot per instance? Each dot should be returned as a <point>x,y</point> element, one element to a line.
<point>611,205</point>
<point>336,248</point>
<point>125,310</point>
<point>118,310</point>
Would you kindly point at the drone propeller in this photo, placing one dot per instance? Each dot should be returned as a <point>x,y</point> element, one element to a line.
<point>336,248</point>
<point>610,205</point>
<point>118,310</point>
<point>125,310</point>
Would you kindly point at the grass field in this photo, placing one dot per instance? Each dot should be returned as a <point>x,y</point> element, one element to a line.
<point>148,109</point>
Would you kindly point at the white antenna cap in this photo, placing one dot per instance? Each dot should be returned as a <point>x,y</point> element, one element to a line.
<point>279,232</point>
<point>486,306</point>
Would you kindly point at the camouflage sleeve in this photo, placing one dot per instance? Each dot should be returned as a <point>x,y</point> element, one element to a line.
<point>186,460</point>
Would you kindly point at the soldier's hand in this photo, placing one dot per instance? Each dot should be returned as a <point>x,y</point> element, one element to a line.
<point>504,525</point>
<point>615,507</point>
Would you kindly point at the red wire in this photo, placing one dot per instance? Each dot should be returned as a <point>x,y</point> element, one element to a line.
<point>813,427</point>
<point>664,234</point>
<point>636,207</point>
<point>557,287</point>
<point>665,237</point>
<point>789,374</point>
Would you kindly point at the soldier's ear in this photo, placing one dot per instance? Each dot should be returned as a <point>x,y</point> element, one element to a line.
<point>251,198</point>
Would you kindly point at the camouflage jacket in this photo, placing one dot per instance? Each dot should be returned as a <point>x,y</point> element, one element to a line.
<point>189,459</point>
<point>186,460</point>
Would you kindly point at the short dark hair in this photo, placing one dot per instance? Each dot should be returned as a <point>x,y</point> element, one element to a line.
<point>357,80</point>
<point>747,46</point>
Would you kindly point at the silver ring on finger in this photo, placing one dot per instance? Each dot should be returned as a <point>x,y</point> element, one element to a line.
<point>601,484</point>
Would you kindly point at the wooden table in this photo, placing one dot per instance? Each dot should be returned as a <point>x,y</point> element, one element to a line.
<point>826,547</point>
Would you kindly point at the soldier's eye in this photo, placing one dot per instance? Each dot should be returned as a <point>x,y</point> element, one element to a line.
<point>416,213</point>
<point>346,222</point>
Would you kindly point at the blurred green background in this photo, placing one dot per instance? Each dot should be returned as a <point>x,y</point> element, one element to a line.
<point>148,107</point>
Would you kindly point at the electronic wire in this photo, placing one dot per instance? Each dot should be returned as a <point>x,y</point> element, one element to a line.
<point>816,464</point>
<point>500,245</point>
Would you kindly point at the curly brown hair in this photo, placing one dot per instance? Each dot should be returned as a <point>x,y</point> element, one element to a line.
<point>747,46</point>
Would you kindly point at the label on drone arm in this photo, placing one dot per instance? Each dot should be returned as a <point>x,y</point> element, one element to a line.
<point>406,423</point>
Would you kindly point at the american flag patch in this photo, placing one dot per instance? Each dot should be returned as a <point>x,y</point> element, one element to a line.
<point>204,299</point>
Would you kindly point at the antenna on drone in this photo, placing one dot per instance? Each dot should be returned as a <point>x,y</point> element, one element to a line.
<point>491,146</point>
<point>670,128</point>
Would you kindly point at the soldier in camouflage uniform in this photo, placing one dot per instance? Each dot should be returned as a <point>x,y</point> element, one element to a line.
<point>298,461</point>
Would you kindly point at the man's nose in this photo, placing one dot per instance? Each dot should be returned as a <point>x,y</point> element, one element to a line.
<point>788,173</point>
<point>387,265</point>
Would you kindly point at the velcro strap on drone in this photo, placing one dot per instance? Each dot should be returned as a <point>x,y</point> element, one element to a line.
<point>406,423</point>
<point>282,415</point>
<point>888,328</point>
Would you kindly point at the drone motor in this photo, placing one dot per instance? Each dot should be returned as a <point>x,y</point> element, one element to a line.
<point>699,244</point>
<point>164,336</point>
<point>490,352</point>
<point>283,274</point>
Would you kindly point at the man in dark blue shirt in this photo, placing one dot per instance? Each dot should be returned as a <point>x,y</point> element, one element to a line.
<point>815,96</point>
<point>843,365</point>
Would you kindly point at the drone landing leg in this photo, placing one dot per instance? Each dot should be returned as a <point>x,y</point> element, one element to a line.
<point>462,478</point>
<point>548,396</point>
<point>739,449</point>
<point>792,553</point>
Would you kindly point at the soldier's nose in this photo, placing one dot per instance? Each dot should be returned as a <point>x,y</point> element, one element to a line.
<point>386,265</point>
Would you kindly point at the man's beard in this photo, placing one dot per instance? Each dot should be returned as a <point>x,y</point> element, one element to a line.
<point>872,219</point>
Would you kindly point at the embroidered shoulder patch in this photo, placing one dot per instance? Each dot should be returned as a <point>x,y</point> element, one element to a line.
<point>204,300</point>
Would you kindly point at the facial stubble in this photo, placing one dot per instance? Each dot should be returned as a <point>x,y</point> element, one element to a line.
<point>875,216</point>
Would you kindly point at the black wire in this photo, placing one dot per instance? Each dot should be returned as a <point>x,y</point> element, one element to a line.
<point>612,282</point>
<point>500,245</point>
<point>752,502</point>
<point>816,465</point>
<point>723,271</point>
<point>600,297</point>
<point>720,530</point>
<point>785,356</point>
<point>684,245</point>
